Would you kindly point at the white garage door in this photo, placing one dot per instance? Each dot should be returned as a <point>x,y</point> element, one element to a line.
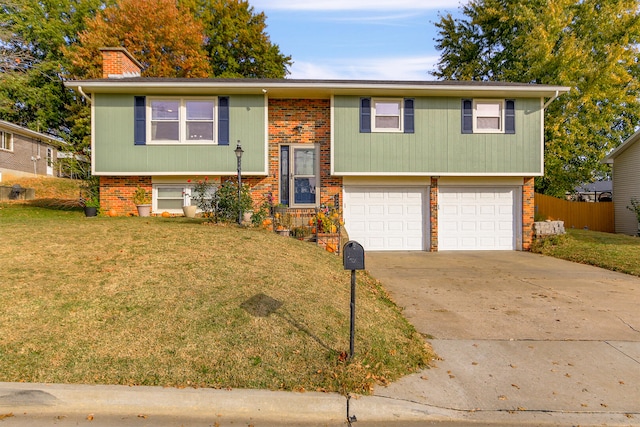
<point>477,218</point>
<point>386,219</point>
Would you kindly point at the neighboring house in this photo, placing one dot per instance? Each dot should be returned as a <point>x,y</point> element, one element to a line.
<point>24,152</point>
<point>625,161</point>
<point>599,191</point>
<point>441,165</point>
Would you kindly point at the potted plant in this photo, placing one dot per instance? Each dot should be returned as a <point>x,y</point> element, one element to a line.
<point>91,205</point>
<point>90,196</point>
<point>283,223</point>
<point>142,200</point>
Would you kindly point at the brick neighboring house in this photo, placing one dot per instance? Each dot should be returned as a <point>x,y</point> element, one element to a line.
<point>444,165</point>
<point>26,153</point>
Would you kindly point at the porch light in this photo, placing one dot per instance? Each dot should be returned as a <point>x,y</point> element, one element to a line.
<point>239,152</point>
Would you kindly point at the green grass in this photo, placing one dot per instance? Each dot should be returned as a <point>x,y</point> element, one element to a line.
<point>616,252</point>
<point>174,302</point>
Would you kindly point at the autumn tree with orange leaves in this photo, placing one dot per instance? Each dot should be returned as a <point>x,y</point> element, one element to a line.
<point>167,41</point>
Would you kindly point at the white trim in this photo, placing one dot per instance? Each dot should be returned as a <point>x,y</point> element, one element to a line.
<point>399,101</point>
<point>291,178</point>
<point>500,116</point>
<point>396,181</point>
<point>460,181</point>
<point>287,88</point>
<point>439,173</point>
<point>180,173</point>
<point>182,120</point>
<point>93,138</point>
<point>332,118</point>
<point>19,130</point>
<point>4,137</point>
<point>541,139</point>
<point>266,133</point>
<point>621,148</point>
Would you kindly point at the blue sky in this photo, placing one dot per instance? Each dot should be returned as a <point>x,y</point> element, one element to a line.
<point>357,39</point>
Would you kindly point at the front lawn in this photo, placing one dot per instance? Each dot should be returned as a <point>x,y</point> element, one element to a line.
<point>616,252</point>
<point>173,302</point>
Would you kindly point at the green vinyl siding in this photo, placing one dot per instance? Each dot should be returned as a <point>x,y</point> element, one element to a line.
<point>115,152</point>
<point>438,145</point>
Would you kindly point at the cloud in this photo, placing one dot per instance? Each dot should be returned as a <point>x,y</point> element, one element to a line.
<point>392,68</point>
<point>364,5</point>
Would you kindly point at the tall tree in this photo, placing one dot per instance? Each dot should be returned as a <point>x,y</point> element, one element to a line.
<point>236,40</point>
<point>590,45</point>
<point>32,34</point>
<point>167,41</point>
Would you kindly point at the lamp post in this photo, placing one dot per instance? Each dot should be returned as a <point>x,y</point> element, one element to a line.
<point>239,152</point>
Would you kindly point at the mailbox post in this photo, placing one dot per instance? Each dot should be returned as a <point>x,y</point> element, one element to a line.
<point>353,259</point>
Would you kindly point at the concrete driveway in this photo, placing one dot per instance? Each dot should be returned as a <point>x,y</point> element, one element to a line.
<point>522,337</point>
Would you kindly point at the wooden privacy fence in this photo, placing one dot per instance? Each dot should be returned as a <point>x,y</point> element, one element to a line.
<point>593,216</point>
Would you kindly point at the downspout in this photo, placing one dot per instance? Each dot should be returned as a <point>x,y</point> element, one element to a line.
<point>88,98</point>
<point>544,107</point>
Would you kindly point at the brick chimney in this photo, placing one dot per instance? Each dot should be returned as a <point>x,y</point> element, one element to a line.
<point>118,63</point>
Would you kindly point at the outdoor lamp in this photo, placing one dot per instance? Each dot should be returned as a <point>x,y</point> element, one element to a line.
<point>239,152</point>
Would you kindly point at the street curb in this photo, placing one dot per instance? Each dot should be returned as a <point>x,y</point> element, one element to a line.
<point>270,406</point>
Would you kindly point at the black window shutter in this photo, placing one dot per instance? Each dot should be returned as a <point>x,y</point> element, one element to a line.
<point>409,121</point>
<point>140,120</point>
<point>365,115</point>
<point>284,174</point>
<point>223,120</point>
<point>467,116</point>
<point>510,116</point>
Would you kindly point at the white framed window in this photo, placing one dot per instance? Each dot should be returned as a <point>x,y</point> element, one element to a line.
<point>386,115</point>
<point>488,116</point>
<point>6,141</point>
<point>175,120</point>
<point>172,197</point>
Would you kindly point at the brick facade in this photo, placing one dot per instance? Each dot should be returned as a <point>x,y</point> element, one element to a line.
<point>118,62</point>
<point>116,192</point>
<point>297,121</point>
<point>433,211</point>
<point>528,211</point>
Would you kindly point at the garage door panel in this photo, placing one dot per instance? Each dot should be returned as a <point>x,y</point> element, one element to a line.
<point>375,226</point>
<point>394,219</point>
<point>476,218</point>
<point>395,210</point>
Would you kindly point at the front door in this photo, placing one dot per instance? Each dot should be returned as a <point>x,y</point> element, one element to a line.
<point>299,177</point>
<point>49,161</point>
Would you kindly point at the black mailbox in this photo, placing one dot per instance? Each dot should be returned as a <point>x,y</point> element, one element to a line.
<point>353,256</point>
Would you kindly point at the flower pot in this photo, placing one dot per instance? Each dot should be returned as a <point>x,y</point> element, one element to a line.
<point>90,211</point>
<point>246,216</point>
<point>144,210</point>
<point>190,211</point>
<point>283,232</point>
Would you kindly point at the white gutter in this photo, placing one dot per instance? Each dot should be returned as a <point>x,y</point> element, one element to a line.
<point>88,98</point>
<point>553,98</point>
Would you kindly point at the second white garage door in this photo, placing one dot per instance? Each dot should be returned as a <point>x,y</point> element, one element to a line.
<point>386,219</point>
<point>483,218</point>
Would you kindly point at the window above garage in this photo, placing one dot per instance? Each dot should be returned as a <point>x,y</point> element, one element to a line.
<point>391,115</point>
<point>488,116</point>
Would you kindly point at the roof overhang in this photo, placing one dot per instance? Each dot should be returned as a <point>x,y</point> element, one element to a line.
<point>291,88</point>
<point>13,128</point>
<point>621,148</point>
